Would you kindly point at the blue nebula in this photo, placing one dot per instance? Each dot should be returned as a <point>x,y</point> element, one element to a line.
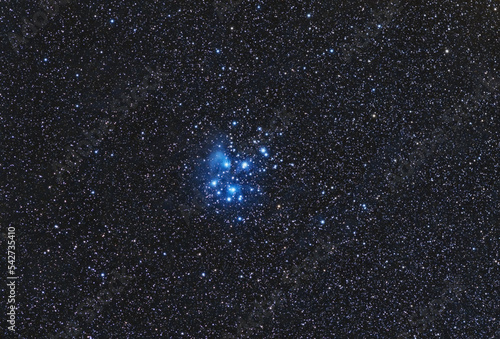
<point>219,161</point>
<point>231,180</point>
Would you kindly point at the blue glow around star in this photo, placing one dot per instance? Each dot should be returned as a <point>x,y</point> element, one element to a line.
<point>232,179</point>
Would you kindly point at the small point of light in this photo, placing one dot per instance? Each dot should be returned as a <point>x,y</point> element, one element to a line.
<point>45,59</point>
<point>239,218</point>
<point>112,154</point>
<point>232,189</point>
<point>447,51</point>
<point>56,226</point>
<point>217,51</point>
<point>240,198</point>
<point>112,21</point>
<point>322,222</point>
<point>96,151</point>
<point>102,275</point>
<point>308,15</point>
<point>244,165</point>
<point>331,50</point>
<point>228,199</point>
<point>92,192</point>
<point>203,274</point>
<point>214,182</point>
<point>234,123</point>
<point>77,75</point>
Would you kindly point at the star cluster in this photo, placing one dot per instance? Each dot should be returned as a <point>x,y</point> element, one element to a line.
<point>237,176</point>
<point>243,169</point>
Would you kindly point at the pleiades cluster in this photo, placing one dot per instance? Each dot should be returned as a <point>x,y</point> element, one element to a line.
<point>242,169</point>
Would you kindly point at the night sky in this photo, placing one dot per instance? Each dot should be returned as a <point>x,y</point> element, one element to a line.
<point>250,169</point>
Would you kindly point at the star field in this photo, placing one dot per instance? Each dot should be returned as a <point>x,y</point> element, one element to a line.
<point>238,169</point>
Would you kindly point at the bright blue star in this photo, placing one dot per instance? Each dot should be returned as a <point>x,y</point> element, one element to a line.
<point>219,159</point>
<point>230,176</point>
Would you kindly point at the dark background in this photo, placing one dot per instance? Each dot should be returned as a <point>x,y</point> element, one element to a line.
<point>351,120</point>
